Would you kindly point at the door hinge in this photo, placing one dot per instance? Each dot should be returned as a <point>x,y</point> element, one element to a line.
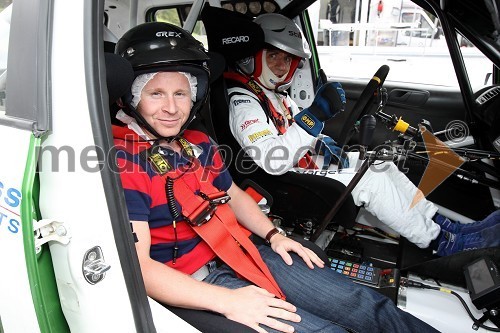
<point>47,230</point>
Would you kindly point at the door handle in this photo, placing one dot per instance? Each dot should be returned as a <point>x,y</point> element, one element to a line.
<point>415,98</point>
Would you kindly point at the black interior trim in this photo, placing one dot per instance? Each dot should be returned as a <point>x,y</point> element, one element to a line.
<point>295,8</point>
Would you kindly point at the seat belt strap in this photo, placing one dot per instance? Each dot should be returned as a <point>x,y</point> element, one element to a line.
<point>256,196</point>
<point>224,235</point>
<point>244,258</point>
<point>247,82</point>
<point>306,162</point>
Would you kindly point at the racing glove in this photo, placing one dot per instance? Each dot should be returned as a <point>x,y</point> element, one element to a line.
<point>332,154</point>
<point>329,100</point>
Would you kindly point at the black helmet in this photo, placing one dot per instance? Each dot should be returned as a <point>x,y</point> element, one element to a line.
<point>163,47</point>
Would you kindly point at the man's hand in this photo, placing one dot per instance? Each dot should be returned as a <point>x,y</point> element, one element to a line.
<point>332,153</point>
<point>330,100</point>
<point>252,306</point>
<point>282,245</point>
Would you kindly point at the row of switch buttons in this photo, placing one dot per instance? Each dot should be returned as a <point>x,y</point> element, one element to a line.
<point>361,272</point>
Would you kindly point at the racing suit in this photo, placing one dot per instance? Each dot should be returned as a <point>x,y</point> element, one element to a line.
<point>384,191</point>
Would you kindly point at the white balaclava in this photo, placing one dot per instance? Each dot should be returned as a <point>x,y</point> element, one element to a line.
<point>267,77</point>
<point>142,79</point>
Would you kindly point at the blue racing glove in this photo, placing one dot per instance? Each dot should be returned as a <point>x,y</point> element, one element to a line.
<point>329,100</point>
<point>332,153</point>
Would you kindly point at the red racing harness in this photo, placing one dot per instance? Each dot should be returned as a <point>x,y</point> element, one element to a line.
<point>205,210</point>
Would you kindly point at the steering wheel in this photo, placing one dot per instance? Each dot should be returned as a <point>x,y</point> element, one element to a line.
<point>363,105</point>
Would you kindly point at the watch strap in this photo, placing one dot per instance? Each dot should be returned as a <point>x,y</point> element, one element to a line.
<point>270,234</point>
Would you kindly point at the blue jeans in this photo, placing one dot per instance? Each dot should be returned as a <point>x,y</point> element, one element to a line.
<point>326,300</point>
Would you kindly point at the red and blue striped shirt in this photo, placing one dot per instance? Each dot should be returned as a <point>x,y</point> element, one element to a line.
<point>146,198</point>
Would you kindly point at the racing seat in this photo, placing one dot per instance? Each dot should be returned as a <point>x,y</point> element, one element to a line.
<point>298,198</point>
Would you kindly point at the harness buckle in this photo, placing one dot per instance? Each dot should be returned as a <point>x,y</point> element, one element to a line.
<point>205,211</point>
<point>202,214</point>
<point>218,198</point>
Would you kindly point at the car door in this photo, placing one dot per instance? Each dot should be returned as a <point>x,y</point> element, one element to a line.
<point>63,269</point>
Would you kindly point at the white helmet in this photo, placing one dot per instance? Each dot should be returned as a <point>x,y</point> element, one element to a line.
<point>282,33</point>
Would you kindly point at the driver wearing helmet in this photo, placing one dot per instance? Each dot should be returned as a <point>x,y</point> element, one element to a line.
<point>192,221</point>
<point>267,123</point>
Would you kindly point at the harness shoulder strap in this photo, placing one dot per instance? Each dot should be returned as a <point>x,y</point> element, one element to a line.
<point>269,109</point>
<point>220,230</point>
<point>237,80</point>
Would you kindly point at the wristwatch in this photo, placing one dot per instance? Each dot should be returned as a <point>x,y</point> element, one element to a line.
<point>273,232</point>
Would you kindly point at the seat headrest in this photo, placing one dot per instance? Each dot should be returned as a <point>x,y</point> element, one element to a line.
<point>119,76</point>
<point>217,65</point>
<point>232,34</point>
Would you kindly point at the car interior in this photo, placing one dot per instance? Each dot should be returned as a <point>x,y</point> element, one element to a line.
<point>422,83</point>
<point>300,202</point>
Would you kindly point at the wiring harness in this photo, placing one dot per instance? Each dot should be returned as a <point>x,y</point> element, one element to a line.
<point>477,322</point>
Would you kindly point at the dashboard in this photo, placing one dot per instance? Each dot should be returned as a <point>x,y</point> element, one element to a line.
<point>488,111</point>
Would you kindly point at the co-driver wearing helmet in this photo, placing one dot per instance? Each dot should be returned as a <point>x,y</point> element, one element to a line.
<point>165,167</point>
<point>278,136</point>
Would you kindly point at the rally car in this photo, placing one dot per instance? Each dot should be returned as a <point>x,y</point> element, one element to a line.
<point>66,248</point>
